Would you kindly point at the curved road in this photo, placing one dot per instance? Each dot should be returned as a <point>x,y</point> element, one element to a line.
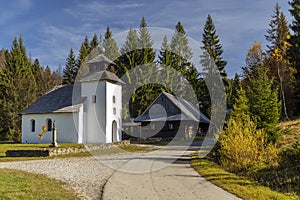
<point>155,176</point>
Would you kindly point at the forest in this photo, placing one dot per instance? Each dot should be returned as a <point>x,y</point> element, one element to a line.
<point>270,76</point>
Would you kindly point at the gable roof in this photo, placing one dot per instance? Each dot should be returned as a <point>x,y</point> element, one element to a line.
<point>59,100</point>
<point>101,76</point>
<point>177,110</point>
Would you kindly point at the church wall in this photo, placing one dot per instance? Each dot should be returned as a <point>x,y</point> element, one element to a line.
<point>114,110</point>
<point>95,117</point>
<point>65,126</point>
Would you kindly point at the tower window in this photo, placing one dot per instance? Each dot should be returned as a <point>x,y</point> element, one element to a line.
<point>114,111</point>
<point>94,99</point>
<point>114,99</point>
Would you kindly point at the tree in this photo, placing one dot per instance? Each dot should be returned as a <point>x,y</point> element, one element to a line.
<point>83,53</point>
<point>294,50</point>
<point>110,45</point>
<point>147,53</point>
<point>181,62</point>
<point>38,74</point>
<point>278,31</point>
<point>281,69</point>
<point>94,42</point>
<point>263,100</point>
<point>254,58</point>
<point>212,46</point>
<point>70,71</point>
<point>17,90</point>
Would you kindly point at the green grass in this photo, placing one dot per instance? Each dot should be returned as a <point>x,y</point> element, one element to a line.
<point>240,186</point>
<point>16,184</point>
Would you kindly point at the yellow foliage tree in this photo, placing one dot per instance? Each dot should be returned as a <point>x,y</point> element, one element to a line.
<point>243,146</point>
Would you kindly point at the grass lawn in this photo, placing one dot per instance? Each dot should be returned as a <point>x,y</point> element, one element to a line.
<point>16,184</point>
<point>237,185</point>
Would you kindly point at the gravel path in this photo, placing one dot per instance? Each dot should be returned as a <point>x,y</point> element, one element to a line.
<point>155,176</point>
<point>85,175</point>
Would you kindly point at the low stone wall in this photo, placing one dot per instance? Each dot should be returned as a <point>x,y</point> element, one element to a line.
<point>61,151</point>
<point>27,153</point>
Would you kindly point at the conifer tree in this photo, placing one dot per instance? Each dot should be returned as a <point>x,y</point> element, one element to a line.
<point>82,56</point>
<point>263,99</point>
<point>181,61</point>
<point>280,69</point>
<point>147,53</point>
<point>294,50</point>
<point>17,90</point>
<point>70,71</point>
<point>94,42</point>
<point>110,45</point>
<point>212,47</point>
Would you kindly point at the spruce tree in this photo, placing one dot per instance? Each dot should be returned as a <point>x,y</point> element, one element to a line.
<point>94,42</point>
<point>212,47</point>
<point>280,68</point>
<point>181,61</point>
<point>82,56</point>
<point>110,45</point>
<point>263,99</point>
<point>70,71</point>
<point>294,50</point>
<point>17,90</point>
<point>147,53</point>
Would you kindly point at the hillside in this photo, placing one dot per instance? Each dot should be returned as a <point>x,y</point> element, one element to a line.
<point>292,129</point>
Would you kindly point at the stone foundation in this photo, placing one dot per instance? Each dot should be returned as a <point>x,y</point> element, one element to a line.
<point>61,151</point>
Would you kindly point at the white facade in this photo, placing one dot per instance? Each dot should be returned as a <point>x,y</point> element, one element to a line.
<point>100,116</point>
<point>98,119</point>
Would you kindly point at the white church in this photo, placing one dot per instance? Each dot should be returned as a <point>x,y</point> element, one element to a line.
<point>89,111</point>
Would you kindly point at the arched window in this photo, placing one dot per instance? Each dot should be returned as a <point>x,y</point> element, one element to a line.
<point>49,124</point>
<point>32,124</point>
<point>114,99</point>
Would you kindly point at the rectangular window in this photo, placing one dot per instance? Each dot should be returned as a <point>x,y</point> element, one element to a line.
<point>94,99</point>
<point>114,111</point>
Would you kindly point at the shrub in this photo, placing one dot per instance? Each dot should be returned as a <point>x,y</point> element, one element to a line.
<point>243,146</point>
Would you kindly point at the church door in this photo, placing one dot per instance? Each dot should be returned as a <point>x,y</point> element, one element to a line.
<point>114,131</point>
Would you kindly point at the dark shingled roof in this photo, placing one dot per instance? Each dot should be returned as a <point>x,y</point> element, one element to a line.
<point>59,100</point>
<point>182,111</point>
<point>102,75</point>
<point>100,58</point>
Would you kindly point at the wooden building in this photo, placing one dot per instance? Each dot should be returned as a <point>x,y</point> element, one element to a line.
<point>169,116</point>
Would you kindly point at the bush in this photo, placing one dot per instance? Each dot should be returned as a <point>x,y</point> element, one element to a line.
<point>243,146</point>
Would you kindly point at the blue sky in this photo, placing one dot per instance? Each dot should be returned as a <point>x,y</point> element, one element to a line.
<point>51,27</point>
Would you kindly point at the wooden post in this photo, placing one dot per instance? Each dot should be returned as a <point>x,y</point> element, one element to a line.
<point>54,143</point>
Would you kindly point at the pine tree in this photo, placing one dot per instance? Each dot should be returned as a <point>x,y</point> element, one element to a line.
<point>110,45</point>
<point>145,73</point>
<point>70,71</point>
<point>263,99</point>
<point>129,56</point>
<point>280,68</point>
<point>94,42</point>
<point>147,53</point>
<point>17,90</point>
<point>82,56</point>
<point>181,62</point>
<point>38,74</point>
<point>241,103</point>
<point>165,60</point>
<point>212,47</point>
<point>294,50</point>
